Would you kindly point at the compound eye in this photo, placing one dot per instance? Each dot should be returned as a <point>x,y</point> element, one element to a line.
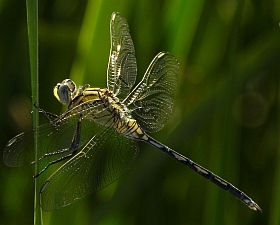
<point>64,91</point>
<point>71,85</point>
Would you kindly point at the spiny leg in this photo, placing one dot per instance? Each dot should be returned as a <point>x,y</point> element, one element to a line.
<point>46,114</point>
<point>72,149</point>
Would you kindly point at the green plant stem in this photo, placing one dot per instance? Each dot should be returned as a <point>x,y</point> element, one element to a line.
<point>32,24</point>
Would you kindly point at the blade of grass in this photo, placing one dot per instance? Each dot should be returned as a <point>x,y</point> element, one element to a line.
<point>32,24</point>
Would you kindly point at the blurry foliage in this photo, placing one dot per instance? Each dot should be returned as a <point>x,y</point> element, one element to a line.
<point>225,116</point>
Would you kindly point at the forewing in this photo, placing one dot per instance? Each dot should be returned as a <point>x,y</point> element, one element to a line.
<point>102,161</point>
<point>20,150</point>
<point>151,102</point>
<point>122,68</point>
<point>54,140</point>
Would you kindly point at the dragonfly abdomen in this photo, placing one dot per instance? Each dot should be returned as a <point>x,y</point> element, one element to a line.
<point>129,128</point>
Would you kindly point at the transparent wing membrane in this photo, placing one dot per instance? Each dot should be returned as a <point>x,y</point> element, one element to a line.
<point>101,161</point>
<point>122,69</point>
<point>151,102</point>
<point>52,140</point>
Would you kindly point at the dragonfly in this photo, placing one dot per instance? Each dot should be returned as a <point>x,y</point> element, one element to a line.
<point>96,137</point>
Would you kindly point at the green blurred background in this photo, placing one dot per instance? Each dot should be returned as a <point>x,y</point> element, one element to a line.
<point>225,116</point>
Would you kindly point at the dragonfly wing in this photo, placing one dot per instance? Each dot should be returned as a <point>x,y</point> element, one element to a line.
<point>122,68</point>
<point>102,161</point>
<point>20,150</point>
<point>151,102</point>
<point>53,140</point>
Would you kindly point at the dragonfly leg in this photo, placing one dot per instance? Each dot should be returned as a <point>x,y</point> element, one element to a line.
<point>60,151</point>
<point>73,149</point>
<point>48,115</point>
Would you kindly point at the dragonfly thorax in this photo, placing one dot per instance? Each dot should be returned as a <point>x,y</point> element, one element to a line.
<point>98,104</point>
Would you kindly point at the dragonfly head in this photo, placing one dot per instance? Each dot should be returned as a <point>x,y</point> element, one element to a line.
<point>65,91</point>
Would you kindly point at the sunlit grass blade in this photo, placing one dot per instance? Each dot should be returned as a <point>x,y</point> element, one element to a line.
<point>32,24</point>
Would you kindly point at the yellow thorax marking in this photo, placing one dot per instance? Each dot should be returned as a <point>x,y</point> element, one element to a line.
<point>89,94</point>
